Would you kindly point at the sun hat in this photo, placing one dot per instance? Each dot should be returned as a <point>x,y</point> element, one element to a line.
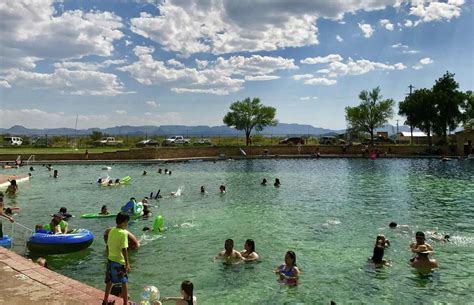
<point>423,249</point>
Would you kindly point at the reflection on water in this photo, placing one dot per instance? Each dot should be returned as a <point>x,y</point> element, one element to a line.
<point>328,211</point>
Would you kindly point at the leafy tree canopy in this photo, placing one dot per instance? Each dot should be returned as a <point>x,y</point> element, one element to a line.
<point>372,112</point>
<point>249,114</point>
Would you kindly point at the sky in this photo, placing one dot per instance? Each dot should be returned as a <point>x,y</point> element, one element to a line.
<point>147,62</point>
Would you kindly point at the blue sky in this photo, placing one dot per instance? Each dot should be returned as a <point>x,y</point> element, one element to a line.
<point>149,62</point>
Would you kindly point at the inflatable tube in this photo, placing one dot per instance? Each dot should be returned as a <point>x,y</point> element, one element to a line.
<point>6,241</point>
<point>159,224</point>
<point>97,215</point>
<point>133,208</point>
<point>60,243</point>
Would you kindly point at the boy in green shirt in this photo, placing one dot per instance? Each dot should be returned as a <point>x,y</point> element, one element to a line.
<point>117,258</point>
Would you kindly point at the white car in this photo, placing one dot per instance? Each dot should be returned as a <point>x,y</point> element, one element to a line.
<point>176,140</point>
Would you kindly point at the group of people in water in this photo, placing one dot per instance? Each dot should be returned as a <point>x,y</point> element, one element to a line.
<point>422,260</point>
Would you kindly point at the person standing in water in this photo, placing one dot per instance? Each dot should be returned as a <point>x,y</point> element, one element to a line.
<point>187,297</point>
<point>249,251</point>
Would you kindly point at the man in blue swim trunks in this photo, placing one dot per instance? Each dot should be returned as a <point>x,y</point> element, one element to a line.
<point>117,258</point>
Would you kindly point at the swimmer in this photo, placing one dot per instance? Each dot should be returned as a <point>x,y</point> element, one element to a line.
<point>110,183</point>
<point>288,272</point>
<point>222,189</point>
<point>55,174</point>
<point>146,211</point>
<point>436,236</point>
<point>31,168</point>
<point>58,225</point>
<point>117,181</point>
<point>249,251</point>
<point>203,190</point>
<point>187,297</point>
<point>381,240</point>
<point>379,248</point>
<point>401,228</point>
<point>277,183</point>
<point>144,173</point>
<point>2,214</point>
<point>166,171</point>
<point>264,182</point>
<point>419,241</point>
<point>104,211</point>
<point>63,211</point>
<point>157,196</point>
<point>12,188</point>
<point>49,167</point>
<point>229,254</point>
<point>159,171</point>
<point>169,173</point>
<point>422,262</point>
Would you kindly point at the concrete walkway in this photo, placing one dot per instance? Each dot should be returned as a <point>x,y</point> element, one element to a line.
<point>24,282</point>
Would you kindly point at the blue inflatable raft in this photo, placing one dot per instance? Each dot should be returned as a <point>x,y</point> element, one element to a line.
<point>60,243</point>
<point>6,241</point>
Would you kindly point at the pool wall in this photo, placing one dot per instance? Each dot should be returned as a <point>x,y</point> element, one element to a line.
<point>218,151</point>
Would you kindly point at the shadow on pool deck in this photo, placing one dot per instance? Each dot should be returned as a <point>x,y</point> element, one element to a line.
<point>24,282</point>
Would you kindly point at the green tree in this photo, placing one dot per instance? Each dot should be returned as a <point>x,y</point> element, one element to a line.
<point>372,112</point>
<point>468,114</point>
<point>420,111</point>
<point>448,101</point>
<point>96,135</point>
<point>249,114</point>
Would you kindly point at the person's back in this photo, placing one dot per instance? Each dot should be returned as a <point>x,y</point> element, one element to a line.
<point>117,240</point>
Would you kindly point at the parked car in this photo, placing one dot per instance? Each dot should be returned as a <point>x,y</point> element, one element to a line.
<point>379,140</point>
<point>42,142</point>
<point>292,141</point>
<point>203,142</point>
<point>108,141</point>
<point>12,141</point>
<point>148,142</point>
<point>175,140</point>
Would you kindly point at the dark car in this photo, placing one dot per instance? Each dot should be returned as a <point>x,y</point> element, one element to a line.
<point>379,140</point>
<point>148,142</point>
<point>292,141</point>
<point>203,142</point>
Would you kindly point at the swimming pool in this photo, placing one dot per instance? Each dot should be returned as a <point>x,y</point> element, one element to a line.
<point>328,211</point>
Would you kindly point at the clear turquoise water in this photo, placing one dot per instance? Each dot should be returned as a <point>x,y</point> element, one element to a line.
<point>328,211</point>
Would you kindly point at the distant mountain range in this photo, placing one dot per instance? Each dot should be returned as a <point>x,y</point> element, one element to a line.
<point>165,130</point>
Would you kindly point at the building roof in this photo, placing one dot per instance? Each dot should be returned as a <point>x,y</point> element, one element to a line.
<point>417,134</point>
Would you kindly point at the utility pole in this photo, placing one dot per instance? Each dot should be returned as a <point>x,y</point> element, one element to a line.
<point>397,126</point>
<point>411,126</point>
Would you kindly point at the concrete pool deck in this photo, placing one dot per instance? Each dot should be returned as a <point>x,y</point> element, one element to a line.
<point>25,282</point>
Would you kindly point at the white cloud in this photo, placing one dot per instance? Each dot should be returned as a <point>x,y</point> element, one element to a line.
<point>261,77</point>
<point>366,29</point>
<point>399,46</point>
<point>386,24</point>
<point>201,64</point>
<point>423,62</point>
<point>4,84</point>
<point>91,66</point>
<point>322,60</point>
<point>426,61</point>
<point>320,81</point>
<point>408,23</point>
<point>77,82</point>
<point>188,28</point>
<point>175,63</point>
<point>221,76</point>
<point>339,38</point>
<point>33,30</point>
<point>410,51</point>
<point>152,104</point>
<point>220,27</point>
<point>301,76</point>
<point>307,98</point>
<point>42,119</point>
<point>428,11</point>
<point>121,112</point>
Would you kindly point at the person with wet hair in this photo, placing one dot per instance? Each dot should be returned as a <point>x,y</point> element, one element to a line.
<point>186,298</point>
<point>249,250</point>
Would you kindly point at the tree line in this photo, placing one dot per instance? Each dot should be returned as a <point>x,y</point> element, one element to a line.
<point>436,110</point>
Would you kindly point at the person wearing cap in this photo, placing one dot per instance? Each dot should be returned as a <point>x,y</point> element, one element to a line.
<point>422,260</point>
<point>57,224</point>
<point>419,241</point>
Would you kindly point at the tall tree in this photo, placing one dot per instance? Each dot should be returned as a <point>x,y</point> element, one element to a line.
<point>372,112</point>
<point>249,114</point>
<point>448,101</point>
<point>420,111</point>
<point>468,114</point>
